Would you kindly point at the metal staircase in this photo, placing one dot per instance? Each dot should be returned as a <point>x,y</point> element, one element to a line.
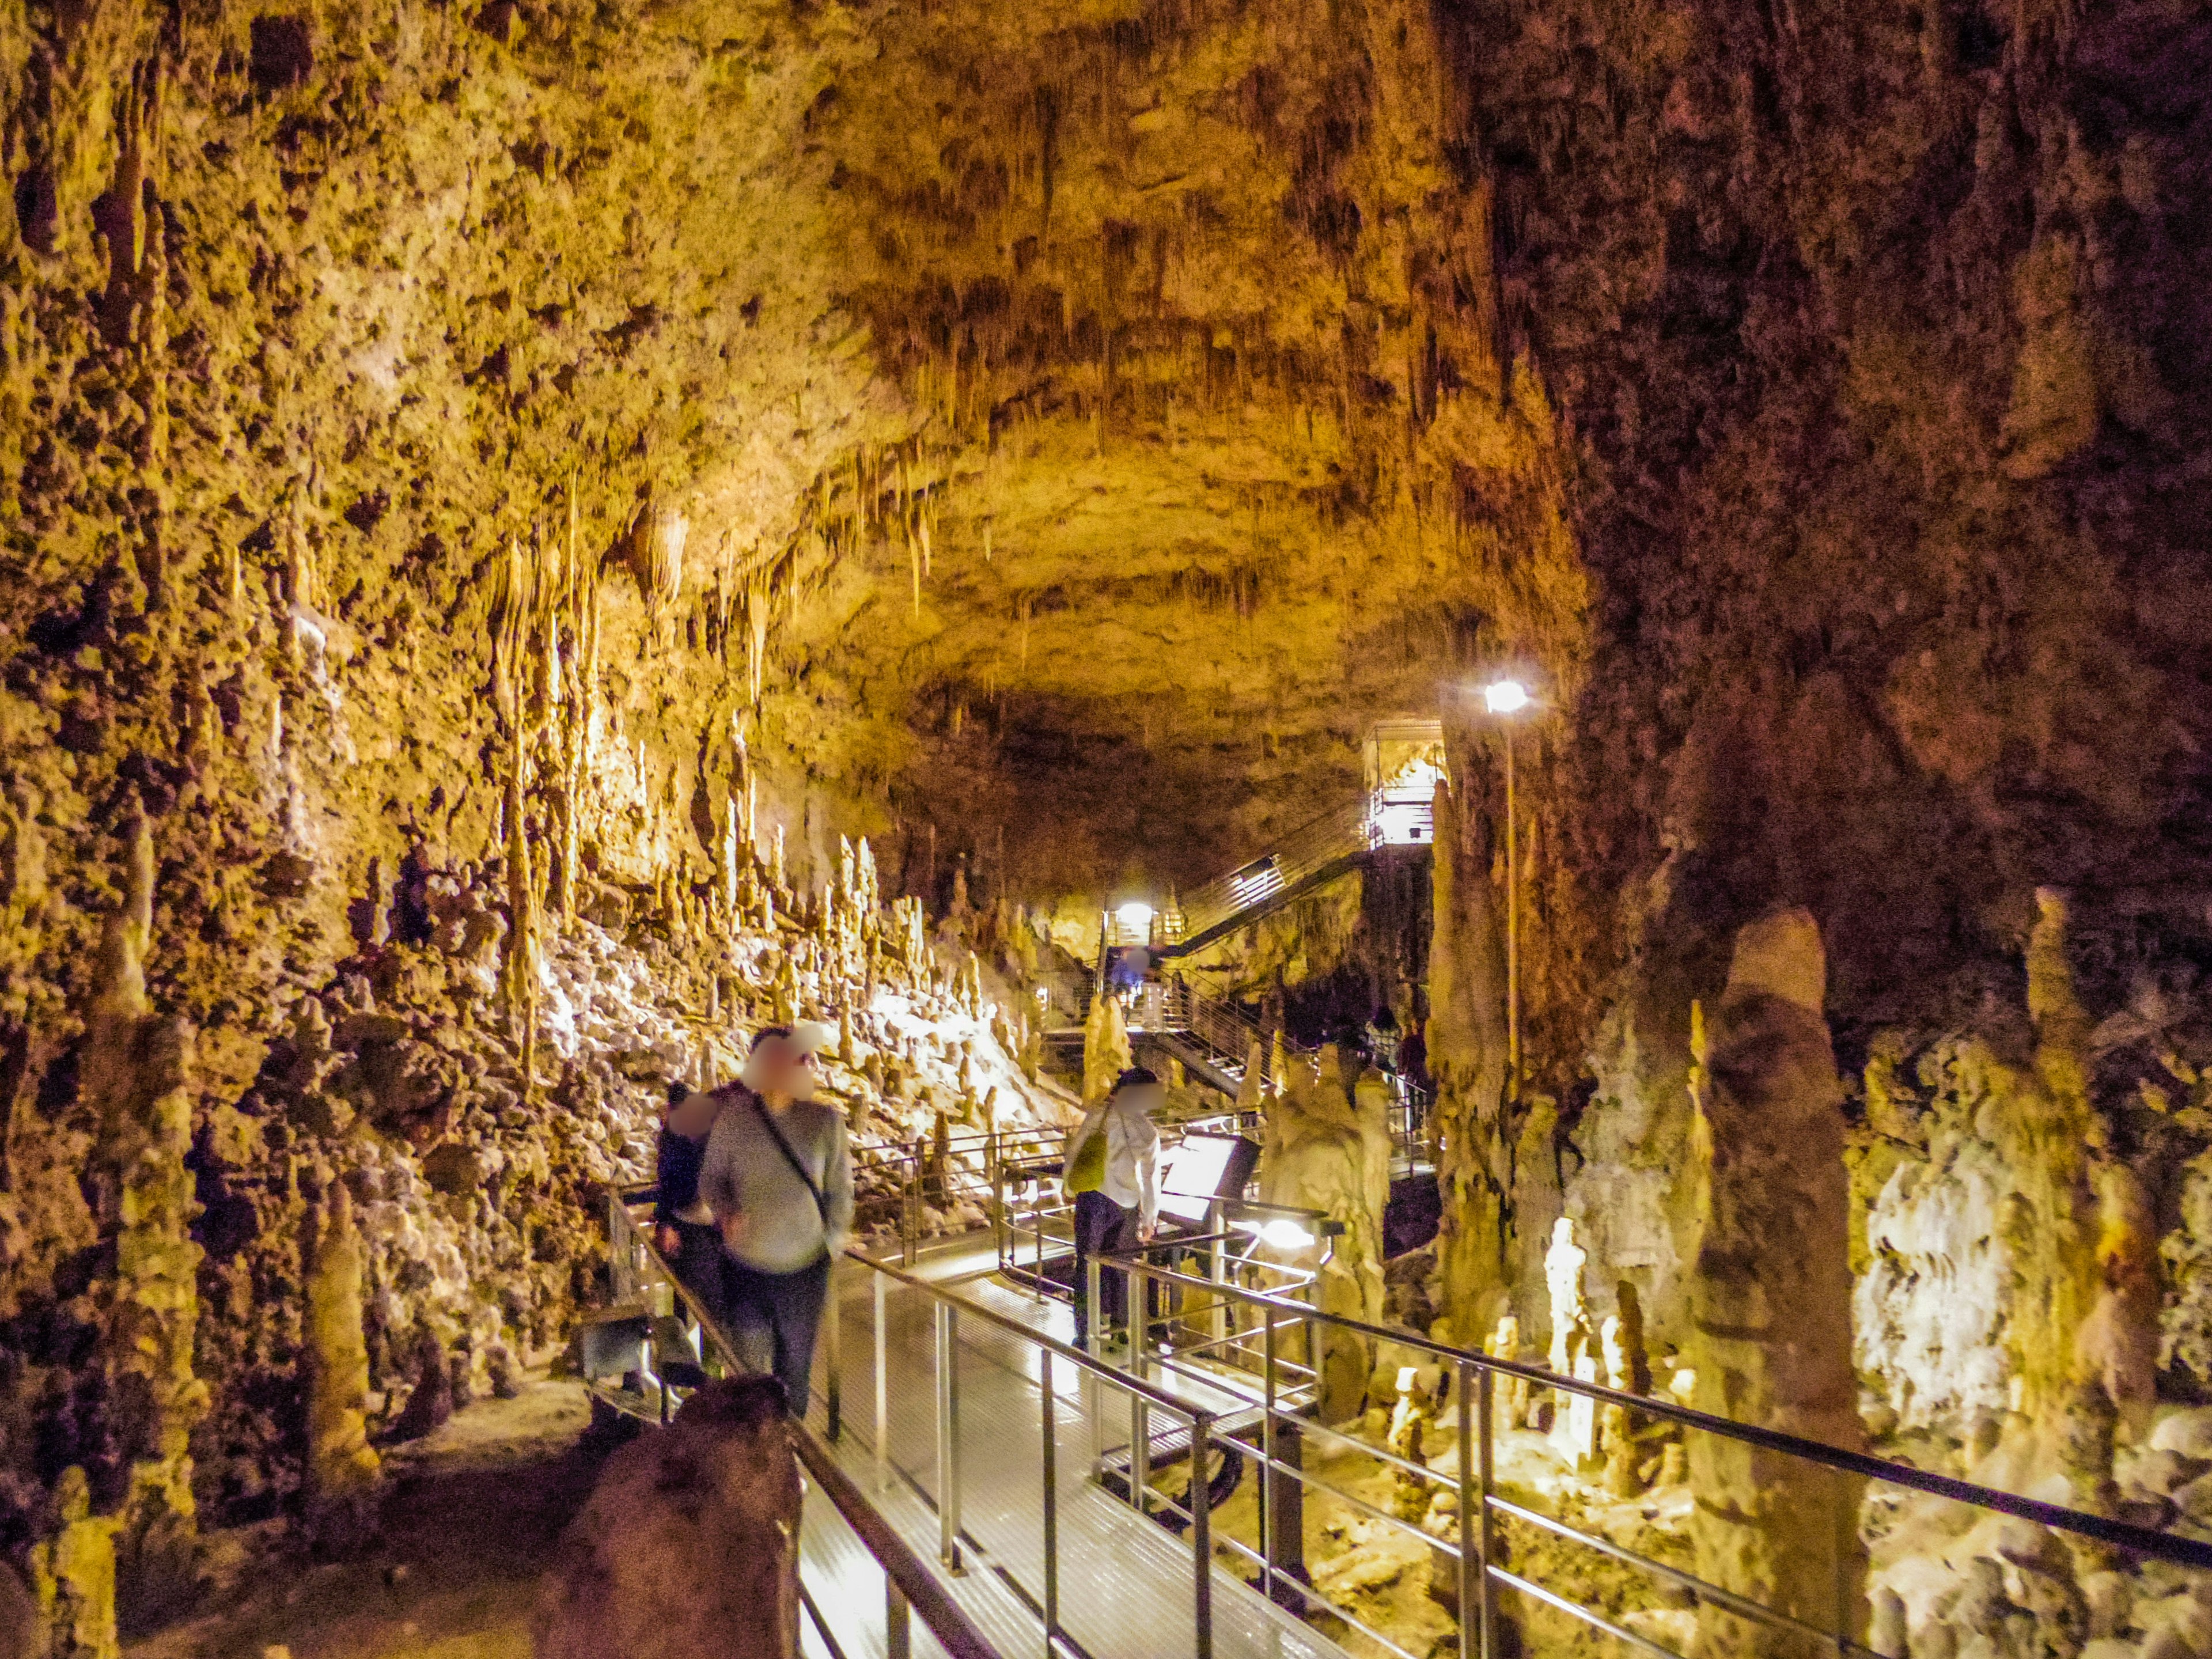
<point>1317,851</point>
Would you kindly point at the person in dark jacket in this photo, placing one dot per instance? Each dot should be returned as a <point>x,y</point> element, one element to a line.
<point>683,1225</point>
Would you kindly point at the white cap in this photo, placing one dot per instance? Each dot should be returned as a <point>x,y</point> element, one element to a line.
<point>811,1037</point>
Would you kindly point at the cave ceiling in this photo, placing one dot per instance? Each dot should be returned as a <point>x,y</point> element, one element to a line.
<point>1169,294</point>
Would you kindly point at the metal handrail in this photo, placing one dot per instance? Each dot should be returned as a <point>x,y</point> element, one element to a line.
<point>1144,1398</point>
<point>909,1586</point>
<point>1339,833</point>
<point>1475,1376</point>
<point>2121,1534</point>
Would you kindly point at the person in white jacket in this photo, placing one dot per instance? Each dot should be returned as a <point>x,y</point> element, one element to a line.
<point>1117,1184</point>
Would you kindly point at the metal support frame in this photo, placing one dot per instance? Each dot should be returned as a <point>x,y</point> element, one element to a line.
<point>948,1437</point>
<point>898,1626</point>
<point>1049,1462</point>
<point>637,1265</point>
<point>883,1389</point>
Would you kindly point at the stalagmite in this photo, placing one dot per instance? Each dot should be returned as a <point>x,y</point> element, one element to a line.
<point>1252,1085</point>
<point>341,1465</point>
<point>1574,1423</point>
<point>1327,1148</point>
<point>135,1077</point>
<point>1771,1297</point>
<point>2048,1140</point>
<point>1105,1046</point>
<point>73,1576</point>
<point>1467,1058</point>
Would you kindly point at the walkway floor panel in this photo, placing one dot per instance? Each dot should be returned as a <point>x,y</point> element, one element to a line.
<point>1126,1583</point>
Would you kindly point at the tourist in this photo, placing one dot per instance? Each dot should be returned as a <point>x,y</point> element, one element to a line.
<point>1413,1058</point>
<point>1112,1169</point>
<point>778,1176</point>
<point>1383,1040</point>
<point>683,1225</point>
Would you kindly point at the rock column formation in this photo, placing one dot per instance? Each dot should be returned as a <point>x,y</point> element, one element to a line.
<point>1327,1148</point>
<point>1771,1298</point>
<point>1466,1057</point>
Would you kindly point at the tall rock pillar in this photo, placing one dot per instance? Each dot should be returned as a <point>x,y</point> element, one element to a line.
<point>1327,1148</point>
<point>1467,1058</point>
<point>1770,1299</point>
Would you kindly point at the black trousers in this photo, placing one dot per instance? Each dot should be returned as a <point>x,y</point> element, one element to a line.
<point>698,1265</point>
<point>773,1319</point>
<point>1101,1226</point>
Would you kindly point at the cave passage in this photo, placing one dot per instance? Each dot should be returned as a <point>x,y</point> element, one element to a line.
<point>1586,622</point>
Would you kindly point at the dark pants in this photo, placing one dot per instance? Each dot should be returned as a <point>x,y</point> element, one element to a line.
<point>698,1265</point>
<point>773,1319</point>
<point>1101,1226</point>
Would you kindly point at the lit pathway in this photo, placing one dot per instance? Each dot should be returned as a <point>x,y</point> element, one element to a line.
<point>1124,1584</point>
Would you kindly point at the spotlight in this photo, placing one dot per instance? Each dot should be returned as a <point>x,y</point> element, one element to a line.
<point>1505,697</point>
<point>1279,1233</point>
<point>1136,915</point>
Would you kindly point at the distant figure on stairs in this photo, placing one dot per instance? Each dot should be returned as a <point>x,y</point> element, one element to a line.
<point>1113,1169</point>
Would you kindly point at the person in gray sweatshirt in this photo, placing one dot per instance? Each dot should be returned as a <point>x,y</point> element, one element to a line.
<point>778,1176</point>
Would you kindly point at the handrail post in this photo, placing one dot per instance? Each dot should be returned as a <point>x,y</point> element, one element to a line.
<point>619,1251</point>
<point>1474,1571</point>
<point>1485,1597</point>
<point>898,1628</point>
<point>1095,1316</point>
<point>1266,1527</point>
<point>1141,1424</point>
<point>1051,1467</point>
<point>833,1356</point>
<point>883,1392</point>
<point>948,1436</point>
<point>1201,1496</point>
<point>1000,1235</point>
<point>910,1218</point>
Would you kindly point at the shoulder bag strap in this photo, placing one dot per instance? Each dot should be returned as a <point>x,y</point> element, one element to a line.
<point>768,1123</point>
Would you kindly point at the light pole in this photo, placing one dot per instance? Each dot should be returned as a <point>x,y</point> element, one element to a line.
<point>1503,698</point>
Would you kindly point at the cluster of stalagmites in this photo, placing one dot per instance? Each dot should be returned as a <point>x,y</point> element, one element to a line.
<point>399,1214</point>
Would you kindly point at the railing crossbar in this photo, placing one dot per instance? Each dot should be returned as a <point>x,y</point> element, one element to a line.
<point>2139,1540</point>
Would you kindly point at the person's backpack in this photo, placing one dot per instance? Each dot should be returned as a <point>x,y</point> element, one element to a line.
<point>1087,1173</point>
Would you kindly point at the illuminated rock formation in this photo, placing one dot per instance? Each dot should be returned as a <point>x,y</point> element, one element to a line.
<point>1770,1300</point>
<point>1327,1147</point>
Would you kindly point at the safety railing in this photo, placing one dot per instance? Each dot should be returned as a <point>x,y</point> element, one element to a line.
<point>638,1273</point>
<point>927,1173</point>
<point>1039,1223</point>
<point>1336,835</point>
<point>1472,1543</point>
<point>958,1549</point>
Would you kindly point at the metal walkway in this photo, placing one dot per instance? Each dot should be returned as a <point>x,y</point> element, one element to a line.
<point>1124,1585</point>
<point>959,1453</point>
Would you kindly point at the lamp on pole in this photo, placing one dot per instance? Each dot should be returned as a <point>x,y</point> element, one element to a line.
<point>1505,698</point>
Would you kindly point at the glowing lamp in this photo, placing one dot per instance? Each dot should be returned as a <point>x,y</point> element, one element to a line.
<point>1286,1236</point>
<point>1505,697</point>
<point>1136,915</point>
